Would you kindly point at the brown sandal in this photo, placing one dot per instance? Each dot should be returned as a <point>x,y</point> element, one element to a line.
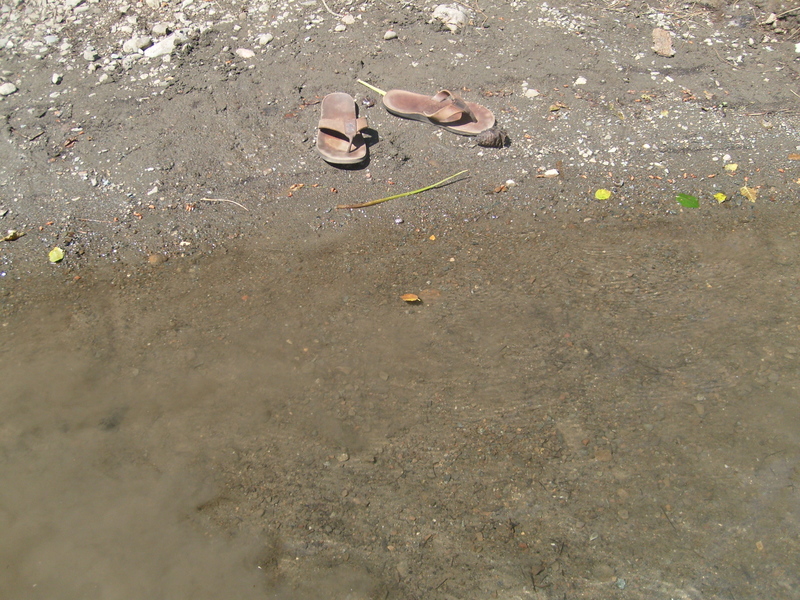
<point>339,138</point>
<point>445,109</point>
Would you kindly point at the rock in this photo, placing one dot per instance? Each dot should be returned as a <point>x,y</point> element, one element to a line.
<point>73,4</point>
<point>348,19</point>
<point>340,28</point>
<point>166,46</point>
<point>550,173</point>
<point>390,35</point>
<point>580,81</point>
<point>56,78</point>
<point>452,16</point>
<point>91,55</point>
<point>156,259</point>
<point>662,42</point>
<point>7,89</point>
<point>161,29</point>
<point>137,43</point>
<point>265,39</point>
<point>531,93</point>
<point>244,53</point>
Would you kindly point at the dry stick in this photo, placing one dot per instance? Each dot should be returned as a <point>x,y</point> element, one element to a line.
<point>335,14</point>
<point>425,189</point>
<point>372,87</point>
<point>786,12</point>
<point>224,200</point>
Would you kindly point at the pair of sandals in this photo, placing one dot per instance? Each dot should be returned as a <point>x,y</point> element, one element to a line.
<point>339,139</point>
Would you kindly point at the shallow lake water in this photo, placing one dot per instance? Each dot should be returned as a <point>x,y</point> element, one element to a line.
<point>572,410</point>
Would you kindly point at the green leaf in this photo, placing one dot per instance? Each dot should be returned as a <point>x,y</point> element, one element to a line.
<point>56,255</point>
<point>688,200</point>
<point>602,194</point>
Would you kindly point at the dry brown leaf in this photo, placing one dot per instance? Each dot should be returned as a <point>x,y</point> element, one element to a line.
<point>749,193</point>
<point>410,298</point>
<point>794,156</point>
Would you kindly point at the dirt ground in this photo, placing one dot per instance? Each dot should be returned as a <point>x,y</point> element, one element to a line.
<point>219,392</point>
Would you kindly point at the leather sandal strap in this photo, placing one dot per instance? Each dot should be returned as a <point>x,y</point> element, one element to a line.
<point>452,109</point>
<point>349,128</point>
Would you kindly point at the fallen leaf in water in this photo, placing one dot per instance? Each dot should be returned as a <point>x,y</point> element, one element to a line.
<point>602,194</point>
<point>749,193</point>
<point>731,167</point>
<point>720,197</point>
<point>794,156</point>
<point>56,255</point>
<point>410,298</point>
<point>296,186</point>
<point>688,200</point>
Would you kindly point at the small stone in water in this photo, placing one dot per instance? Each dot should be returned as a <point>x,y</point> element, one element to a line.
<point>390,35</point>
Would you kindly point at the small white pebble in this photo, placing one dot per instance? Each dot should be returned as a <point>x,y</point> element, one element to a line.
<point>551,173</point>
<point>245,53</point>
<point>390,35</point>
<point>580,81</point>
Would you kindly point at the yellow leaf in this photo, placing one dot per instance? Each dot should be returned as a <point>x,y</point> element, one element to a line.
<point>720,197</point>
<point>794,156</point>
<point>602,194</point>
<point>432,238</point>
<point>56,255</point>
<point>12,235</point>
<point>410,298</point>
<point>749,193</point>
<point>731,167</point>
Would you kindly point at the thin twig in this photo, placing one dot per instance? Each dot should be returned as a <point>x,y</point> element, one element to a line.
<point>425,189</point>
<point>372,87</point>
<point>94,221</point>
<point>786,12</point>
<point>224,200</point>
<point>795,93</point>
<point>328,8</point>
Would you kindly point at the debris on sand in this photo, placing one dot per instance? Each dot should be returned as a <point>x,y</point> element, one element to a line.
<point>494,137</point>
<point>662,42</point>
<point>452,16</point>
